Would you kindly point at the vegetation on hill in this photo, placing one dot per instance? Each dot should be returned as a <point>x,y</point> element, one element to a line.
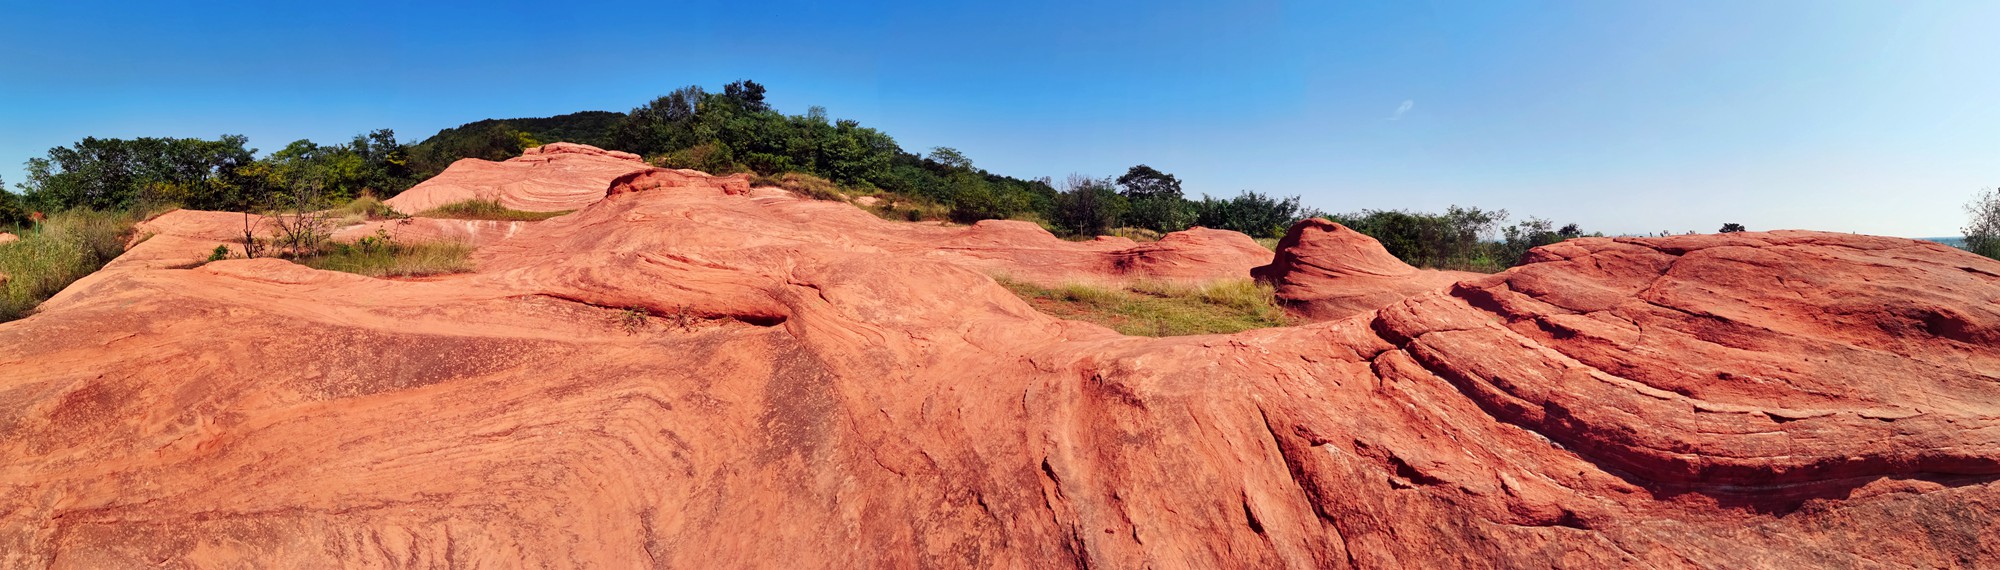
<point>501,139</point>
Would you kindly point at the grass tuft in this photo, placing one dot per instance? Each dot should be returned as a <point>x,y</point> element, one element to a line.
<point>1159,309</point>
<point>477,209</point>
<point>60,250</point>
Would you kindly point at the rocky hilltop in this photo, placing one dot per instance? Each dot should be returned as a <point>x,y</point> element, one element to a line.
<point>687,372</point>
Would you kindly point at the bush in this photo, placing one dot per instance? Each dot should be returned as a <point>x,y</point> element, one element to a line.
<point>477,209</point>
<point>60,250</point>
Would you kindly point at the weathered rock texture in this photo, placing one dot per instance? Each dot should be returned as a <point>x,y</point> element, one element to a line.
<point>549,178</point>
<point>1325,271</point>
<point>684,377</point>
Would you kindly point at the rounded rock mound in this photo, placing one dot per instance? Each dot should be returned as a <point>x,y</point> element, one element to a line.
<point>550,178</point>
<point>1324,270</point>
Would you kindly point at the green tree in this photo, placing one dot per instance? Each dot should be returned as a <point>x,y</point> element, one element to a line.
<point>950,158</point>
<point>1250,212</point>
<point>1088,206</point>
<point>747,94</point>
<point>1982,231</point>
<point>120,173</point>
<point>12,212</point>
<point>1144,182</point>
<point>1731,227</point>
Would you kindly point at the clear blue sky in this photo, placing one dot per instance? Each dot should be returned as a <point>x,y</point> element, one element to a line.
<point>1625,117</point>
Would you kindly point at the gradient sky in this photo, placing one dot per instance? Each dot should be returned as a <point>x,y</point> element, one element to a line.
<point>1624,117</point>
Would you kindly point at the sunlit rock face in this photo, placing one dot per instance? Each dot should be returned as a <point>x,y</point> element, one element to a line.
<point>686,372</point>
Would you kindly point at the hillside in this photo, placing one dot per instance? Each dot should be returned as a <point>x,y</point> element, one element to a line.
<point>501,139</point>
<point>691,372</point>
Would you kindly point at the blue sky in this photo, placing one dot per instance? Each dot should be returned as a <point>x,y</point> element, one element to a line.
<point>1624,117</point>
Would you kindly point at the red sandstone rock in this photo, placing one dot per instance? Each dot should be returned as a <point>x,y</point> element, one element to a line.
<point>550,178</point>
<point>663,178</point>
<point>474,232</point>
<point>1325,271</point>
<point>817,388</point>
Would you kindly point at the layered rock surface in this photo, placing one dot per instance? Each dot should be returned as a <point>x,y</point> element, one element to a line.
<point>550,178</point>
<point>1324,270</point>
<point>679,375</point>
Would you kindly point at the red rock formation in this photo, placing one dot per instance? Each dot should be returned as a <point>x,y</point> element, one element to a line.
<point>1325,271</point>
<point>660,178</point>
<point>685,377</point>
<point>549,178</point>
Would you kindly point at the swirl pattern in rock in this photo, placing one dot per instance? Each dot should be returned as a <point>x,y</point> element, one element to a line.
<point>686,377</point>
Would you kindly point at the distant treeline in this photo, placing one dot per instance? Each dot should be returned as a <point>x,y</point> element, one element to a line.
<point>734,130</point>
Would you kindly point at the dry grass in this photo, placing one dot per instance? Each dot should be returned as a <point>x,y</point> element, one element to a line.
<point>62,249</point>
<point>802,184</point>
<point>388,258</point>
<point>1134,234</point>
<point>363,209</point>
<point>1155,309</point>
<point>477,209</point>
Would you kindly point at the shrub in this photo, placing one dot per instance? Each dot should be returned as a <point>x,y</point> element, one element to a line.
<point>477,209</point>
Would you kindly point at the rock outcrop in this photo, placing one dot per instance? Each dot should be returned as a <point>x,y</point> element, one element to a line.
<point>684,376</point>
<point>550,178</point>
<point>1325,271</point>
<point>7,238</point>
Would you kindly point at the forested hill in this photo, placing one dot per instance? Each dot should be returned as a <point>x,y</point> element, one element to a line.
<point>500,139</point>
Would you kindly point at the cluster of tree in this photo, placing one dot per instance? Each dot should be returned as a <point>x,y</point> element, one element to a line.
<point>221,174</point>
<point>1148,199</point>
<point>737,130</point>
<point>1459,238</point>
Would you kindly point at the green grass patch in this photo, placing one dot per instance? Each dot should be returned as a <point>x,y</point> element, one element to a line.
<point>382,257</point>
<point>1154,309</point>
<point>58,251</point>
<point>477,209</point>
